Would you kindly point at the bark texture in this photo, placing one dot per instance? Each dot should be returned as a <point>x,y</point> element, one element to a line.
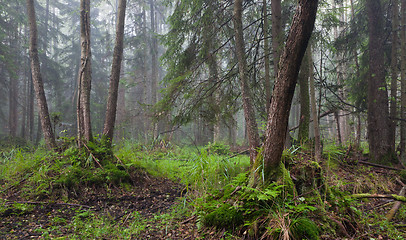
<point>249,112</point>
<point>297,41</point>
<point>378,112</point>
<point>394,72</point>
<point>37,79</point>
<point>111,110</point>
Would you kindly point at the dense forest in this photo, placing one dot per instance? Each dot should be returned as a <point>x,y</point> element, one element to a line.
<point>203,119</point>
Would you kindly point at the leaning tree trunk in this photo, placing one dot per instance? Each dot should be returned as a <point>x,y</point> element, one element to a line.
<point>378,113</point>
<point>296,44</point>
<point>37,80</point>
<point>111,111</point>
<point>249,112</point>
<point>85,76</point>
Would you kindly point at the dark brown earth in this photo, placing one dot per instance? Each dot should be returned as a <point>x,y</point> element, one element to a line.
<point>149,198</point>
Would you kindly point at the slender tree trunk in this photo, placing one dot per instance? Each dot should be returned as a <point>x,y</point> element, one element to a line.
<point>403,83</point>
<point>37,80</point>
<point>277,34</point>
<point>31,107</point>
<point>267,79</point>
<point>304,119</point>
<point>378,112</point>
<point>249,112</point>
<point>85,76</point>
<point>297,41</point>
<point>115,73</point>
<point>394,73</point>
<point>317,140</point>
<point>154,61</point>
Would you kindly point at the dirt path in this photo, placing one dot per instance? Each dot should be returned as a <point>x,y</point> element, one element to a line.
<point>143,205</point>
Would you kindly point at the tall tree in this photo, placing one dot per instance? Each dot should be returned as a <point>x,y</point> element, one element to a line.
<point>111,111</point>
<point>277,34</point>
<point>403,83</point>
<point>291,58</point>
<point>85,76</point>
<point>37,79</point>
<point>304,120</point>
<point>317,142</point>
<point>154,61</point>
<point>267,79</point>
<point>394,72</point>
<point>378,113</point>
<point>249,112</point>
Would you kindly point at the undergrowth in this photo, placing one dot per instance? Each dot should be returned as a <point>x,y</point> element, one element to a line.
<point>216,190</point>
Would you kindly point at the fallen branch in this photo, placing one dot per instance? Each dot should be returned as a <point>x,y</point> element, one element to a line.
<point>378,165</point>
<point>396,206</point>
<point>47,203</point>
<point>389,196</point>
<point>95,159</point>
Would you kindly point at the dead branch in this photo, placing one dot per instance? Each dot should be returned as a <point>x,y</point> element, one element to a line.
<point>95,159</point>
<point>389,196</point>
<point>378,165</point>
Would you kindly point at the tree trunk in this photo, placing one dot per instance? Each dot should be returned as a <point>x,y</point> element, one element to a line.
<point>317,141</point>
<point>85,76</point>
<point>249,112</point>
<point>277,34</point>
<point>111,111</point>
<point>378,113</point>
<point>297,41</point>
<point>37,80</point>
<point>394,73</point>
<point>304,119</point>
<point>154,62</point>
<point>403,83</point>
<point>267,83</point>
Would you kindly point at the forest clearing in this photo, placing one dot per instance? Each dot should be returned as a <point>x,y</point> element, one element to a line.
<point>203,119</point>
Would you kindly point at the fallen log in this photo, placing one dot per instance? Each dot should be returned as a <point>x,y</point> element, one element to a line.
<point>396,206</point>
<point>389,196</point>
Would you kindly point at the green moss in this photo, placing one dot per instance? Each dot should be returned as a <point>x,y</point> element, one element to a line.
<point>304,228</point>
<point>224,217</point>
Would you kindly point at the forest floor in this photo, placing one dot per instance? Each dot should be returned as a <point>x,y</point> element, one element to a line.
<point>147,202</point>
<point>151,207</point>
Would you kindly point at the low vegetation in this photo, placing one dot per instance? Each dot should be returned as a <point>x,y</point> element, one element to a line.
<point>177,192</point>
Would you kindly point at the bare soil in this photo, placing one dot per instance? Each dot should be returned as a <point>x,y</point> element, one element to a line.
<point>150,197</point>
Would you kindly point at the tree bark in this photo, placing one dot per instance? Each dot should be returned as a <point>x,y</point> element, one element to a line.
<point>267,80</point>
<point>304,120</point>
<point>394,72</point>
<point>111,110</point>
<point>37,80</point>
<point>297,41</point>
<point>403,83</point>
<point>277,34</point>
<point>378,113</point>
<point>317,142</point>
<point>154,62</point>
<point>85,76</point>
<point>249,112</point>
